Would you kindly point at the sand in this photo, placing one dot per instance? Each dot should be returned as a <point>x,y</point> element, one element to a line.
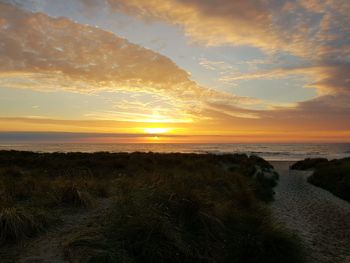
<point>321,219</point>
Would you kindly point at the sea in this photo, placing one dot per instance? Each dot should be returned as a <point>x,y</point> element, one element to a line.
<point>268,151</point>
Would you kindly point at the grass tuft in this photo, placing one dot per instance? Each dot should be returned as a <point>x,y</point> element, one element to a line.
<point>88,246</point>
<point>70,194</point>
<point>17,224</point>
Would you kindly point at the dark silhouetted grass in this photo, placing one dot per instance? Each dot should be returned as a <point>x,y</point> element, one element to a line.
<point>167,207</point>
<point>308,163</point>
<point>167,222</point>
<point>70,194</point>
<point>17,224</point>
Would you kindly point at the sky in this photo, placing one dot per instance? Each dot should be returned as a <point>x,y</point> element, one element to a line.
<point>175,70</point>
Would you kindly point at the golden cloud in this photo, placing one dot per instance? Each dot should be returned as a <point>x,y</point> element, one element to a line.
<point>37,43</point>
<point>48,54</point>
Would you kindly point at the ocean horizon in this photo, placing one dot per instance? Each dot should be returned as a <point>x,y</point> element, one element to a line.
<point>268,151</point>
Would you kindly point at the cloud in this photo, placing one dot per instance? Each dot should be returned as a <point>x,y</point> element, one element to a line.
<point>326,116</point>
<point>305,28</point>
<point>317,32</point>
<point>84,58</point>
<point>209,22</point>
<point>49,54</point>
<point>327,78</point>
<point>220,66</point>
<point>36,43</point>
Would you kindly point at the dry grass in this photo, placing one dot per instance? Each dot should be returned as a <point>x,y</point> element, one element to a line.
<point>68,193</point>
<point>17,224</point>
<point>168,207</point>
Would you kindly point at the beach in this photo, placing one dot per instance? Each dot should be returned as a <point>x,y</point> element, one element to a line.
<point>321,219</point>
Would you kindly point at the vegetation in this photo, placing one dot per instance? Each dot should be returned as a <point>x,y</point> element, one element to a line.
<point>17,224</point>
<point>308,163</point>
<point>165,208</point>
<point>333,175</point>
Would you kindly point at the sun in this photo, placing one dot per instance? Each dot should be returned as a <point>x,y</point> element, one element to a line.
<point>156,130</point>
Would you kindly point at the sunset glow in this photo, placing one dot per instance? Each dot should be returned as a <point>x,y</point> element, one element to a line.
<point>156,130</point>
<point>232,71</point>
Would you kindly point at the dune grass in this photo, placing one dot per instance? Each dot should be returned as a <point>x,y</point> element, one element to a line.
<point>166,208</point>
<point>333,175</point>
<point>308,163</point>
<point>211,218</point>
<point>70,194</point>
<point>17,224</point>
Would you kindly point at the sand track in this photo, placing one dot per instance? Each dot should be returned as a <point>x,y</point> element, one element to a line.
<point>321,219</point>
<point>48,248</point>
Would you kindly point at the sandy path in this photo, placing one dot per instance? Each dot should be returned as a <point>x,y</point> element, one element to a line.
<point>321,219</point>
<point>48,247</point>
